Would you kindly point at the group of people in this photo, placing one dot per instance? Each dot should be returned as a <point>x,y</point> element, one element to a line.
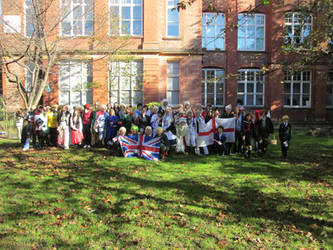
<point>177,127</point>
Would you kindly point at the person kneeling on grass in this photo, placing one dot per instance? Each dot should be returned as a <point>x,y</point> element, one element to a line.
<point>220,141</point>
<point>164,146</point>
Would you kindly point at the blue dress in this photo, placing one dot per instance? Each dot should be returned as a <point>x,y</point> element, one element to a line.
<point>111,125</point>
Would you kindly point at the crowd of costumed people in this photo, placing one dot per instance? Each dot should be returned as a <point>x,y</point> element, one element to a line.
<point>177,127</point>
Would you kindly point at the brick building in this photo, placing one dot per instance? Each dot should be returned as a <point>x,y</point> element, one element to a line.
<point>194,55</point>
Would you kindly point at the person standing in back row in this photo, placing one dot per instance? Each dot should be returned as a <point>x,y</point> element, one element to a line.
<point>285,135</point>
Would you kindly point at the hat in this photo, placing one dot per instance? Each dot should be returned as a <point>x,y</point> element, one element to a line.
<point>241,108</point>
<point>104,107</point>
<point>228,107</point>
<point>87,106</point>
<point>186,103</point>
<point>165,100</point>
<point>285,117</point>
<point>182,120</point>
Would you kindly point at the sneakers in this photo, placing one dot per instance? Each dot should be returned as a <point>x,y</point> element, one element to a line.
<point>85,146</point>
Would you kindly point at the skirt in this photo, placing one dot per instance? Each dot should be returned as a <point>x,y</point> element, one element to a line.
<point>77,136</point>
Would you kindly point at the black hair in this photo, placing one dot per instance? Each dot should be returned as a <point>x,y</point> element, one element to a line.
<point>220,127</point>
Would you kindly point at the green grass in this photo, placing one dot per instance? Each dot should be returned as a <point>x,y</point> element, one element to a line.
<point>90,199</point>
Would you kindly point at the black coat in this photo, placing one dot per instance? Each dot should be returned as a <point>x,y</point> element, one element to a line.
<point>265,130</point>
<point>248,128</point>
<point>285,132</point>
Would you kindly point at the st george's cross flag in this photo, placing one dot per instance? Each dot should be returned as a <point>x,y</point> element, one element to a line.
<point>140,146</point>
<point>207,131</point>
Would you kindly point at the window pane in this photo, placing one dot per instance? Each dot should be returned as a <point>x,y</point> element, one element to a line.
<point>240,99</point>
<point>250,44</point>
<point>241,44</point>
<point>137,97</point>
<point>259,100</point>
<point>64,98</point>
<point>250,88</point>
<point>126,27</point>
<point>126,12</point>
<point>173,15</point>
<point>260,87</point>
<point>75,98</point>
<point>219,43</point>
<point>173,83</point>
<point>249,100</point>
<point>210,87</point>
<point>287,88</point>
<point>287,100</point>
<point>137,28</point>
<point>173,68</point>
<point>296,99</point>
<point>137,12</point>
<point>173,97</point>
<point>241,87</point>
<point>250,32</point>
<point>210,99</point>
<point>173,29</point>
<point>125,97</point>
<point>306,88</point>
<point>305,100</point>
<point>260,32</point>
<point>297,88</point>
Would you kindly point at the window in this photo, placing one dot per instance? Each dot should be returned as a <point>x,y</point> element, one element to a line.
<point>74,83</point>
<point>126,82</point>
<point>29,18</point>
<point>77,17</point>
<point>173,83</point>
<point>213,28</point>
<point>172,18</point>
<point>213,87</point>
<point>297,89</point>
<point>329,99</point>
<point>126,17</point>
<point>297,28</point>
<point>251,32</point>
<point>250,87</point>
<point>29,71</point>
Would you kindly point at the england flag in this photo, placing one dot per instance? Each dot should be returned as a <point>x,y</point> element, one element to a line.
<point>207,131</point>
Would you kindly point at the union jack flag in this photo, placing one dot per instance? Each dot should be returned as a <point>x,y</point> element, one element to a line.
<point>140,146</point>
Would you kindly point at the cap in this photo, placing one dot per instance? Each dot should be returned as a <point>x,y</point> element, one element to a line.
<point>87,106</point>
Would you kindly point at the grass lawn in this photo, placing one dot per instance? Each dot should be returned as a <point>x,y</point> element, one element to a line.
<point>89,199</point>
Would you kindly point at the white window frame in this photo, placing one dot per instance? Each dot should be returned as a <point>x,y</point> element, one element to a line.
<point>254,93</point>
<point>71,90</point>
<point>301,82</point>
<point>84,18</point>
<point>205,82</point>
<point>121,4</point>
<point>219,29</point>
<point>294,24</point>
<point>133,77</point>
<point>330,82</point>
<point>245,25</point>
<point>173,7</point>
<point>170,75</point>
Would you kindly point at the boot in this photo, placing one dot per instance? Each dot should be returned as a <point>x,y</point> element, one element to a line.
<point>249,154</point>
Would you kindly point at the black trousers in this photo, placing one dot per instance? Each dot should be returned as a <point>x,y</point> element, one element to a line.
<point>262,143</point>
<point>42,138</point>
<point>219,149</point>
<point>87,134</point>
<point>238,142</point>
<point>284,149</point>
<point>53,136</point>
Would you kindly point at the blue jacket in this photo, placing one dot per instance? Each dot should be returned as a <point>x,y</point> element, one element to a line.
<point>222,138</point>
<point>111,125</point>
